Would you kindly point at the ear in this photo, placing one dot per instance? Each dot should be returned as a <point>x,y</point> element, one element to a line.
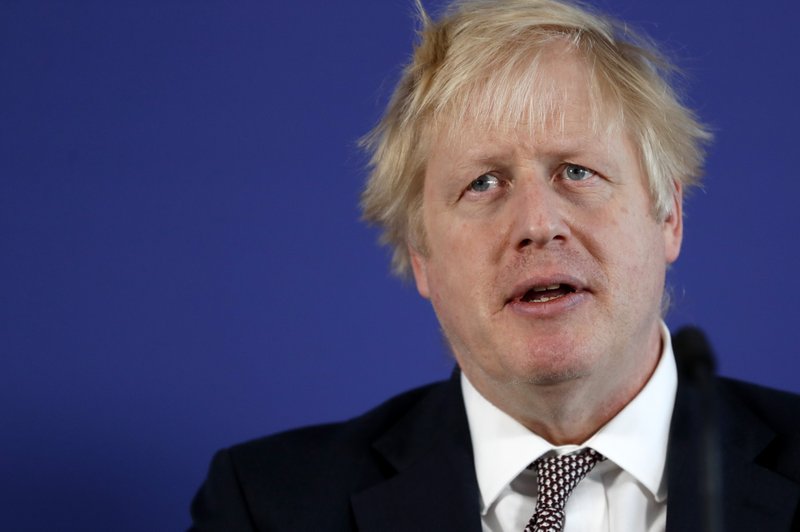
<point>673,226</point>
<point>419,265</point>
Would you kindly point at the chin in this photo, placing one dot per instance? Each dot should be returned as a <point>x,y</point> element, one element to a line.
<point>554,377</point>
<point>547,367</point>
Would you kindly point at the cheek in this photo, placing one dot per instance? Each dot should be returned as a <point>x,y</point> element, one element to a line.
<point>640,256</point>
<point>626,241</point>
<point>461,266</point>
<point>456,244</point>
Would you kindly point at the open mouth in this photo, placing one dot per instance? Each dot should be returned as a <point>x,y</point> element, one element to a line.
<point>543,294</point>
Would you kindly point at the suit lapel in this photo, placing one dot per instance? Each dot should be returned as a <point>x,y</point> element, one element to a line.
<point>433,484</point>
<point>757,494</point>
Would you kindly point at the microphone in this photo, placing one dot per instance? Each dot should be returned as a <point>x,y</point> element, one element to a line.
<point>694,356</point>
<point>696,363</point>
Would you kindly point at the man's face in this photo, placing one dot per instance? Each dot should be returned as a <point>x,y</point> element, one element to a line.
<point>545,262</point>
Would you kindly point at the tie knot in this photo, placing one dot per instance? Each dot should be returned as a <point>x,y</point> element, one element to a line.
<point>556,477</point>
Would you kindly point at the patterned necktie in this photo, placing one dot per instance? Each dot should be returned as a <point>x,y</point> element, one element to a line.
<point>556,477</point>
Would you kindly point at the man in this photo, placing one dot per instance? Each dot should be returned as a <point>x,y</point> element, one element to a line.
<point>529,172</point>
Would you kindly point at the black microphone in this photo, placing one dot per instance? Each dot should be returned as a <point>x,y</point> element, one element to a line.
<point>696,363</point>
<point>693,354</point>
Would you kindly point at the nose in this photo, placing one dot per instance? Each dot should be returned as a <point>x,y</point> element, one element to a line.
<point>538,214</point>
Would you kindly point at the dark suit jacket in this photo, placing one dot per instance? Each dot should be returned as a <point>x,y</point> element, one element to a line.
<point>407,466</point>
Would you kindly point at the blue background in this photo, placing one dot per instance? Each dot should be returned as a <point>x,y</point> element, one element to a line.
<point>181,258</point>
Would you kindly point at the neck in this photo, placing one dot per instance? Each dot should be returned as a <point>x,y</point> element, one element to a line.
<point>570,412</point>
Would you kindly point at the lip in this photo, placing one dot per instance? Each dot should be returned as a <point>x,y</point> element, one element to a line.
<point>551,308</point>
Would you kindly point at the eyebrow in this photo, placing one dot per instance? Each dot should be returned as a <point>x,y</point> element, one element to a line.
<point>600,156</point>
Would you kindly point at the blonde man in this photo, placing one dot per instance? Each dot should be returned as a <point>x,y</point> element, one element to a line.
<point>529,174</point>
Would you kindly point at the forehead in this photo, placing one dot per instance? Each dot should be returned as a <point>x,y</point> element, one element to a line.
<point>552,102</point>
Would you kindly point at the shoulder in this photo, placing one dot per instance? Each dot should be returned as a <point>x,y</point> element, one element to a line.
<point>270,483</point>
<point>777,408</point>
<point>317,443</point>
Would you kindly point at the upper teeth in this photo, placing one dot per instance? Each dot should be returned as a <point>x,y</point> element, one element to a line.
<point>543,288</point>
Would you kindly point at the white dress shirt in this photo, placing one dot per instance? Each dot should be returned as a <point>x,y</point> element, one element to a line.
<point>625,493</point>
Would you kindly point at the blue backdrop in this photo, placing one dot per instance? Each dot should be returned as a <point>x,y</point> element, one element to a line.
<point>181,258</point>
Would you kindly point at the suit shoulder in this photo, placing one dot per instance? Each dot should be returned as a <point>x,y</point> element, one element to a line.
<point>779,408</point>
<point>273,481</point>
<point>327,447</point>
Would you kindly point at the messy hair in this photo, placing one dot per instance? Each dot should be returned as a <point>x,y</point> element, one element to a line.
<point>480,61</point>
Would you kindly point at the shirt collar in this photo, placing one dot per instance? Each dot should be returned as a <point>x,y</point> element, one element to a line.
<point>635,439</point>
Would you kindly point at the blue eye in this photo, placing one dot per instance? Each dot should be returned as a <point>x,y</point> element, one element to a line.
<point>484,183</point>
<point>574,172</point>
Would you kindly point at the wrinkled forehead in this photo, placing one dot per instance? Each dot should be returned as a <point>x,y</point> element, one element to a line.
<point>553,93</point>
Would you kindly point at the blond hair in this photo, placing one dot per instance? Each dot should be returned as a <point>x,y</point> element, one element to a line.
<point>479,61</point>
